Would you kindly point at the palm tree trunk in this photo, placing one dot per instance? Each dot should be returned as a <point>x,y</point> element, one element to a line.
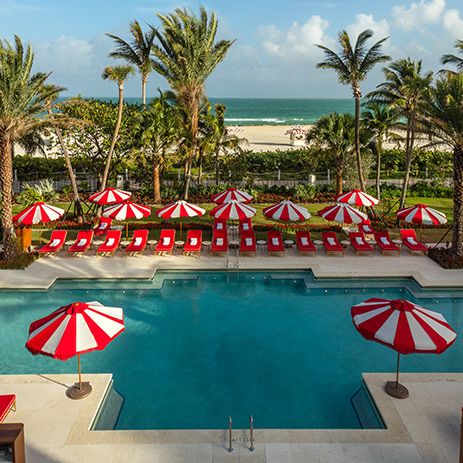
<point>10,246</point>
<point>357,96</point>
<point>156,183</point>
<point>379,149</point>
<point>144,80</point>
<point>77,204</point>
<point>339,176</point>
<point>408,160</point>
<point>194,116</point>
<point>115,137</point>
<point>217,167</point>
<point>457,239</point>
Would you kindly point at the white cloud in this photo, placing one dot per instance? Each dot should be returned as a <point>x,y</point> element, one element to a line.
<point>297,41</point>
<point>453,23</point>
<point>367,21</point>
<point>418,14</point>
<point>9,7</point>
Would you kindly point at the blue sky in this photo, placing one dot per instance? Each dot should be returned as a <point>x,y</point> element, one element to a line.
<point>274,54</point>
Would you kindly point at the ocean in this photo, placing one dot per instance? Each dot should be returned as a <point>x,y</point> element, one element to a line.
<point>275,111</point>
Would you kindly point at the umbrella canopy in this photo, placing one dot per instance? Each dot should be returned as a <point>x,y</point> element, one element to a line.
<point>110,196</point>
<point>75,329</point>
<point>405,327</point>
<point>126,211</point>
<point>357,198</point>
<point>287,211</point>
<point>342,213</point>
<point>232,194</point>
<point>180,209</point>
<point>233,210</point>
<point>422,214</point>
<point>38,213</point>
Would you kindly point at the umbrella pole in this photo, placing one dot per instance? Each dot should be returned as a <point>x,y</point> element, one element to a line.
<point>394,388</point>
<point>78,369</point>
<point>79,390</point>
<point>126,230</point>
<point>181,228</point>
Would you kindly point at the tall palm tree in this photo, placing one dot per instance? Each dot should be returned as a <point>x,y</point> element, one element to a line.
<point>455,60</point>
<point>137,52</point>
<point>118,74</point>
<point>443,122</point>
<point>78,211</point>
<point>405,89</point>
<point>379,119</point>
<point>334,136</point>
<point>352,65</point>
<point>186,56</point>
<point>23,102</point>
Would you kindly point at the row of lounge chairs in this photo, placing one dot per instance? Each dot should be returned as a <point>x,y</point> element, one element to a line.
<point>247,244</point>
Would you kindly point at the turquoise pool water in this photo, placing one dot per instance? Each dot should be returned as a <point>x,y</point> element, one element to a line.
<point>198,348</point>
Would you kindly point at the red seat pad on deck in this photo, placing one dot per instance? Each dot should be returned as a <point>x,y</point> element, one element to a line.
<point>6,402</point>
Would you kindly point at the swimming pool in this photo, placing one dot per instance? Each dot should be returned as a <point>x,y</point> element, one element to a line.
<point>200,347</point>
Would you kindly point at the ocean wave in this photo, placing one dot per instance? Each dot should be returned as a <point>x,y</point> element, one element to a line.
<point>263,119</point>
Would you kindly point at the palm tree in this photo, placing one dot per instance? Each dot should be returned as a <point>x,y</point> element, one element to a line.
<point>455,60</point>
<point>334,136</point>
<point>352,66</point>
<point>136,53</point>
<point>378,119</point>
<point>443,123</point>
<point>186,56</point>
<point>405,89</point>
<point>157,133</point>
<point>78,211</point>
<point>118,74</point>
<point>23,103</point>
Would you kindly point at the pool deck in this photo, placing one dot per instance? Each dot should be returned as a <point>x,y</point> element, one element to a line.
<point>45,271</point>
<point>421,429</point>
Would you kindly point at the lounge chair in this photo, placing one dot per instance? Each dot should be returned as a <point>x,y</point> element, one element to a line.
<point>366,229</point>
<point>248,244</point>
<point>410,241</point>
<point>109,247</point>
<point>194,241</point>
<point>82,243</point>
<point>219,226</point>
<point>166,242</point>
<point>57,240</point>
<point>358,242</point>
<point>103,226</point>
<point>331,243</point>
<point>384,242</point>
<point>7,403</point>
<point>219,243</point>
<point>138,244</point>
<point>275,243</point>
<point>304,243</point>
<point>245,226</point>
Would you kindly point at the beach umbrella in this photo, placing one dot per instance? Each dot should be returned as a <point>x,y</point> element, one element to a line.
<point>179,210</point>
<point>126,211</point>
<point>110,196</point>
<point>38,213</point>
<point>423,215</point>
<point>75,329</point>
<point>342,213</point>
<point>405,327</point>
<point>232,194</point>
<point>357,198</point>
<point>233,210</point>
<point>287,211</point>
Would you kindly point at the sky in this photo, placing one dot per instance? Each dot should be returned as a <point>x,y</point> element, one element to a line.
<point>274,55</point>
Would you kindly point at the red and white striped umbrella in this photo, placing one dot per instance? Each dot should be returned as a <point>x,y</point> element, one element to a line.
<point>38,213</point>
<point>75,329</point>
<point>232,194</point>
<point>342,213</point>
<point>287,211</point>
<point>422,214</point>
<point>357,198</point>
<point>405,327</point>
<point>233,210</point>
<point>127,210</point>
<point>180,209</point>
<point>110,196</point>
